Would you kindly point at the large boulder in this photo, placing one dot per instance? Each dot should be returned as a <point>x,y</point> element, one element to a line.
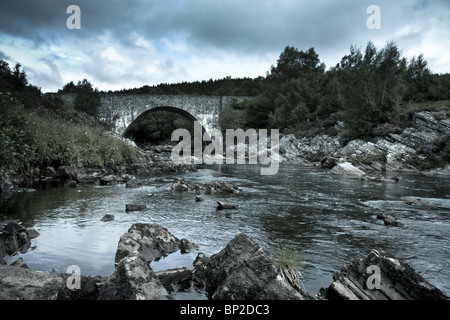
<point>244,271</point>
<point>133,279</point>
<point>151,240</point>
<point>380,276</point>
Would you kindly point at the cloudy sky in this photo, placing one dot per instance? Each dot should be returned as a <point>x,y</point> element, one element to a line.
<point>127,44</point>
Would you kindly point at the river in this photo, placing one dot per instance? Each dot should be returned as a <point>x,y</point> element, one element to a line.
<point>329,219</point>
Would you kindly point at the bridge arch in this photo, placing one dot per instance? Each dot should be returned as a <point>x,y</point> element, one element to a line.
<point>173,109</point>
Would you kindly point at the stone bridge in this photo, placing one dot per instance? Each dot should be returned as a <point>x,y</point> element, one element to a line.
<point>120,110</point>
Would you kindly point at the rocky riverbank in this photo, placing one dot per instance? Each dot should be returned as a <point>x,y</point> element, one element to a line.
<point>240,271</point>
<point>395,152</point>
<point>392,152</point>
<point>155,161</point>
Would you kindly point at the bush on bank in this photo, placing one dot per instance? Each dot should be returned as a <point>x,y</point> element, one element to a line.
<point>30,140</point>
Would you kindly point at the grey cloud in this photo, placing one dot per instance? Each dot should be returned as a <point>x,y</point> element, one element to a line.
<point>247,28</point>
<point>237,25</point>
<point>4,56</point>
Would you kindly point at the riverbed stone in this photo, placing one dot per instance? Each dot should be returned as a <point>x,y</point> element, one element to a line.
<point>380,276</point>
<point>244,271</point>
<point>151,240</point>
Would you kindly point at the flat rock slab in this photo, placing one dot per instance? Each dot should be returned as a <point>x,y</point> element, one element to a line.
<point>380,276</point>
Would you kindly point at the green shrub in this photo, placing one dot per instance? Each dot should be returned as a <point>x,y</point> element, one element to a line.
<point>16,136</point>
<point>29,140</point>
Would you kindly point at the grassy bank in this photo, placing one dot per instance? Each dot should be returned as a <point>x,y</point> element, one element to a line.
<point>38,138</point>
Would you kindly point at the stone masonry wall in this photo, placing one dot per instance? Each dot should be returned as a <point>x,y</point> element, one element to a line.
<point>121,110</point>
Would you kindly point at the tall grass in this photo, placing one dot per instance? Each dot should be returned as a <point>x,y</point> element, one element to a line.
<point>289,262</point>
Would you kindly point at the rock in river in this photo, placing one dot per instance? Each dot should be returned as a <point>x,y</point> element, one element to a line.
<point>347,168</point>
<point>244,271</point>
<point>222,205</point>
<point>380,276</point>
<point>133,279</point>
<point>388,220</point>
<point>151,240</point>
<point>108,217</point>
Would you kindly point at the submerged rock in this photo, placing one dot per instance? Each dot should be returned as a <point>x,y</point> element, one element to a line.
<point>380,276</point>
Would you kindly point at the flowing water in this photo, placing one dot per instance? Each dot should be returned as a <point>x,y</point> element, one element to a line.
<point>329,219</point>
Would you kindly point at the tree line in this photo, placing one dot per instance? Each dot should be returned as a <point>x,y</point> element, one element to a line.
<point>365,90</point>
